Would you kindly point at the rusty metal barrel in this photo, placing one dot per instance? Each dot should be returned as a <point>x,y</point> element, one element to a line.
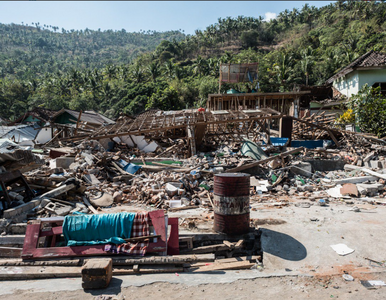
<point>231,203</point>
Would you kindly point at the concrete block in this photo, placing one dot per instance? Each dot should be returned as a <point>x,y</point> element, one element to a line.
<point>369,157</point>
<point>19,228</point>
<point>375,164</point>
<point>97,273</point>
<point>88,158</point>
<point>326,165</point>
<point>369,188</point>
<point>64,161</point>
<point>26,207</point>
<point>302,168</point>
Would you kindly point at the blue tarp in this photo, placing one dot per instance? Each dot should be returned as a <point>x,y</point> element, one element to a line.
<point>97,229</point>
<point>128,167</point>
<point>279,142</point>
<point>311,144</point>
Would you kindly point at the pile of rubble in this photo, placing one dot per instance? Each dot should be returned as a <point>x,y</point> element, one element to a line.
<point>109,175</point>
<point>88,178</point>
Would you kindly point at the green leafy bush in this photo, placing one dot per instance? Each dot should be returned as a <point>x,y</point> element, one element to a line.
<point>369,107</point>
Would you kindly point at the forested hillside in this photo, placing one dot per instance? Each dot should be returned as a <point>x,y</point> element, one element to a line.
<point>30,50</point>
<point>303,46</point>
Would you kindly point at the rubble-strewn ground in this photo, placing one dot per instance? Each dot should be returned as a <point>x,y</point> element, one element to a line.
<point>260,288</point>
<point>302,201</point>
<point>298,261</point>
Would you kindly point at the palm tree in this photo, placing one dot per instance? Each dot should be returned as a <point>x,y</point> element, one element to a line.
<point>169,69</point>
<point>154,70</point>
<point>137,73</point>
<point>199,66</point>
<point>307,62</point>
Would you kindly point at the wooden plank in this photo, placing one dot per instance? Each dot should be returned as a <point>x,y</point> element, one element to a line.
<point>164,260</point>
<point>77,122</point>
<point>210,249</point>
<point>28,272</point>
<point>51,262</point>
<point>89,206</point>
<point>147,269</point>
<point>253,258</point>
<point>12,240</point>
<point>260,162</point>
<point>121,260</point>
<point>40,272</point>
<point>225,266</point>
<point>10,252</point>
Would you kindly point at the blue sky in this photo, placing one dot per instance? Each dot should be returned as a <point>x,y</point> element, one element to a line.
<point>136,15</point>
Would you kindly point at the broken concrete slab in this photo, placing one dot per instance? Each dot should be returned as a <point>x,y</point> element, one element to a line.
<point>91,179</point>
<point>351,180</point>
<point>325,165</point>
<point>369,157</point>
<point>12,213</point>
<point>301,168</point>
<point>64,162</point>
<point>375,164</point>
<point>369,189</point>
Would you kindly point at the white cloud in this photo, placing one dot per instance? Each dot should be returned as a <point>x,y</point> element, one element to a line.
<point>269,16</point>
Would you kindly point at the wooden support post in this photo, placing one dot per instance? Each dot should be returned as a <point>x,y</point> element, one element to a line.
<point>285,128</point>
<point>192,140</point>
<point>77,123</point>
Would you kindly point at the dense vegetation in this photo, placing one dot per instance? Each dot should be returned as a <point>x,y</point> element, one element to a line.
<point>28,51</point>
<point>96,70</point>
<point>368,109</point>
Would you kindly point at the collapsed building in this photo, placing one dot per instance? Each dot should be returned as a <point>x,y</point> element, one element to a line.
<point>98,187</point>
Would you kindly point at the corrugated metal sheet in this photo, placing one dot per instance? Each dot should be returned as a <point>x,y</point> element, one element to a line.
<point>19,133</point>
<point>90,117</point>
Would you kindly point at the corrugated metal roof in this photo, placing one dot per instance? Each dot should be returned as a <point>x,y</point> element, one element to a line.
<point>7,146</point>
<point>87,116</point>
<point>19,133</point>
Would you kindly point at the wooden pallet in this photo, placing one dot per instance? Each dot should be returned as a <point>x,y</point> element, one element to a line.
<point>35,232</point>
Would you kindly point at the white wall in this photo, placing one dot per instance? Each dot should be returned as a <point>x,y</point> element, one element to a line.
<point>43,136</point>
<point>353,82</point>
<point>140,142</point>
<point>348,84</point>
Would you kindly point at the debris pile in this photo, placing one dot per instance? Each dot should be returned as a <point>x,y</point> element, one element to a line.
<point>174,170</point>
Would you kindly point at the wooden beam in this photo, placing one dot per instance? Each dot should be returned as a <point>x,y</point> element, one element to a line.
<point>263,161</point>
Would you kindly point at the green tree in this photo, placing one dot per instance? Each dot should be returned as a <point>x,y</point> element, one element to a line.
<point>369,107</point>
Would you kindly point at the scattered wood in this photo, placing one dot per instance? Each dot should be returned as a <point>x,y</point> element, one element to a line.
<point>263,161</point>
<point>211,248</point>
<point>142,238</point>
<point>239,265</point>
<point>89,206</point>
<point>10,252</point>
<point>40,272</point>
<point>148,269</point>
<point>182,208</point>
<point>117,260</point>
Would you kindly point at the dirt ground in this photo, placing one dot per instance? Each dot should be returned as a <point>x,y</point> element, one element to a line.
<point>261,288</point>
